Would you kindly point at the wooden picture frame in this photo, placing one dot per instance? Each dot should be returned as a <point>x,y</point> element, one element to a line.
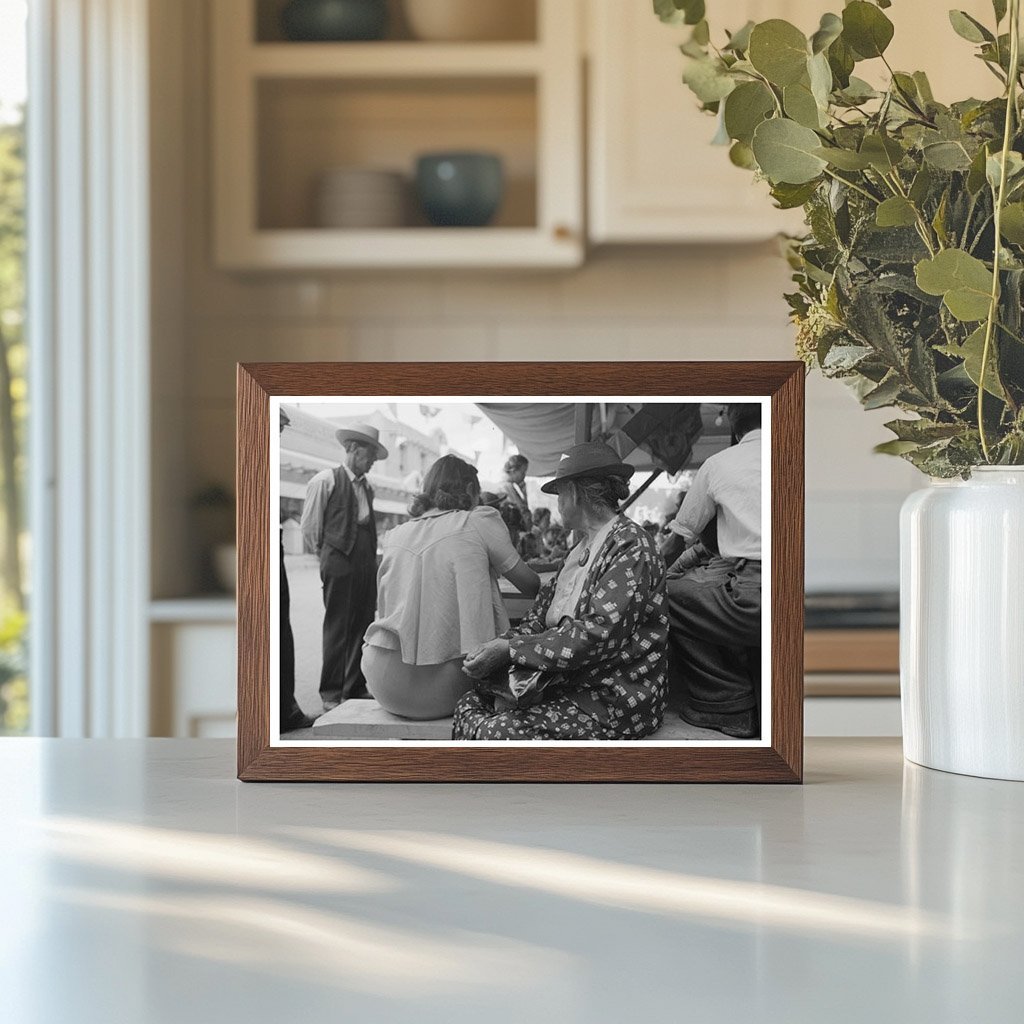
<point>778,759</point>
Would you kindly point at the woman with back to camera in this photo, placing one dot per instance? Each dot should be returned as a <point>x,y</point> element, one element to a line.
<point>589,661</point>
<point>437,594</point>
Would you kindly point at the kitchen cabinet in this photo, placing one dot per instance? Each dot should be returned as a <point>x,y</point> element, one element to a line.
<point>653,175</point>
<point>287,113</point>
<point>192,649</point>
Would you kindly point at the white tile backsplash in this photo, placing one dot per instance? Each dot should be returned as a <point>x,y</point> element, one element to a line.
<point>715,303</point>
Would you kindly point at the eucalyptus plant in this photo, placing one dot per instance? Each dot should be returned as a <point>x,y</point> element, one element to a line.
<point>910,278</point>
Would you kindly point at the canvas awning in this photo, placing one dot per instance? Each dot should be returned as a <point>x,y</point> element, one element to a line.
<point>542,431</point>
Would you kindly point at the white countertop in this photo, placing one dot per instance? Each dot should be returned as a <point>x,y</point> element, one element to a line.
<point>143,884</point>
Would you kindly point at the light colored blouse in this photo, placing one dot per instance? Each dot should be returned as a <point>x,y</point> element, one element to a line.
<point>437,587</point>
<point>572,576</point>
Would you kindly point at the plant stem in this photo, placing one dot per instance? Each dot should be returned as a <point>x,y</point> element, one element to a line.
<point>977,238</point>
<point>922,225</point>
<point>993,309</point>
<point>855,187</point>
<point>768,85</point>
<point>1012,334</point>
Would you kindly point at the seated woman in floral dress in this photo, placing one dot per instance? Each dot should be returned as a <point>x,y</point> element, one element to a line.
<point>589,661</point>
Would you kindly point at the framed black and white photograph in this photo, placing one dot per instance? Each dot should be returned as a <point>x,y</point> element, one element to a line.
<point>516,571</point>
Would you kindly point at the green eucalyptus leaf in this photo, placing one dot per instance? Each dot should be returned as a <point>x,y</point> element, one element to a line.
<point>785,152</point>
<point>895,447</point>
<point>741,155</point>
<point>830,29</point>
<point>906,87</point>
<point>896,212</point>
<point>701,33</point>
<point>695,11</point>
<point>800,105</point>
<point>883,153</point>
<point>994,169</point>
<point>923,431</point>
<point>997,53</point>
<point>1012,223</point>
<point>745,108</point>
<point>668,12</point>
<point>844,159</point>
<point>841,60</point>
<point>939,220</point>
<point>971,352</point>
<point>707,80</point>
<point>884,395</point>
<point>820,76</point>
<point>924,87</point>
<point>866,29</point>
<point>967,304</point>
<point>744,67</point>
<point>789,197</point>
<point>999,7</point>
<point>946,156</point>
<point>779,51</point>
<point>921,185</point>
<point>963,281</point>
<point>679,12</point>
<point>858,91</point>
<point>969,28</point>
<point>976,174</point>
<point>739,41</point>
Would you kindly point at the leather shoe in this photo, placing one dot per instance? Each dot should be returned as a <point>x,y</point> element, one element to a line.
<point>741,725</point>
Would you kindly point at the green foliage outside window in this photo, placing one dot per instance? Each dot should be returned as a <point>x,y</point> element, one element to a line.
<point>910,279</point>
<point>13,413</point>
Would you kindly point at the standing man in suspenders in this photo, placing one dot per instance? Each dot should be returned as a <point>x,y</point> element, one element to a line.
<point>338,524</point>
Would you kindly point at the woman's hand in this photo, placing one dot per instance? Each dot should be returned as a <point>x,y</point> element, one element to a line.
<point>487,659</point>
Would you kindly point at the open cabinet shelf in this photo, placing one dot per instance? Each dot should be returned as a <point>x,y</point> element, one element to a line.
<point>288,114</point>
<point>394,60</point>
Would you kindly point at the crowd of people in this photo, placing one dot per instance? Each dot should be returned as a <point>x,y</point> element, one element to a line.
<point>629,621</point>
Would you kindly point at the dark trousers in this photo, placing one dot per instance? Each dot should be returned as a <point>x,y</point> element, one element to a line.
<point>287,707</point>
<point>715,635</point>
<point>350,601</point>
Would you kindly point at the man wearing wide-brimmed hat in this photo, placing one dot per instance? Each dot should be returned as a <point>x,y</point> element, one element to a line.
<point>338,524</point>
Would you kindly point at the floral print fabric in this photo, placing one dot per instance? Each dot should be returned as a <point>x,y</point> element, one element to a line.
<point>611,658</point>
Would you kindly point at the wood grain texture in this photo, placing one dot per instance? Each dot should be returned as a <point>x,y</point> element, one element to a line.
<point>781,762</point>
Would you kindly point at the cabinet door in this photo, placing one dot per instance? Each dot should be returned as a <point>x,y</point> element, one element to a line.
<point>654,175</point>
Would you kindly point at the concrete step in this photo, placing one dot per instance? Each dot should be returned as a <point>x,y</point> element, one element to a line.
<point>367,720</point>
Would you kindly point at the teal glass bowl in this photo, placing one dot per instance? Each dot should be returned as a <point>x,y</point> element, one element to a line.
<point>334,21</point>
<point>460,190</point>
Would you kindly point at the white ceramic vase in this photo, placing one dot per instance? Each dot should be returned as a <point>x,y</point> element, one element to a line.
<point>962,624</point>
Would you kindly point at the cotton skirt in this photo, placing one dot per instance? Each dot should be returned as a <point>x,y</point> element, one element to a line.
<point>413,691</point>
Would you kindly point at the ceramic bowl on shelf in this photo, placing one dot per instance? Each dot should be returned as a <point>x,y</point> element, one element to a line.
<point>334,21</point>
<point>471,20</point>
<point>361,198</point>
<point>460,189</point>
